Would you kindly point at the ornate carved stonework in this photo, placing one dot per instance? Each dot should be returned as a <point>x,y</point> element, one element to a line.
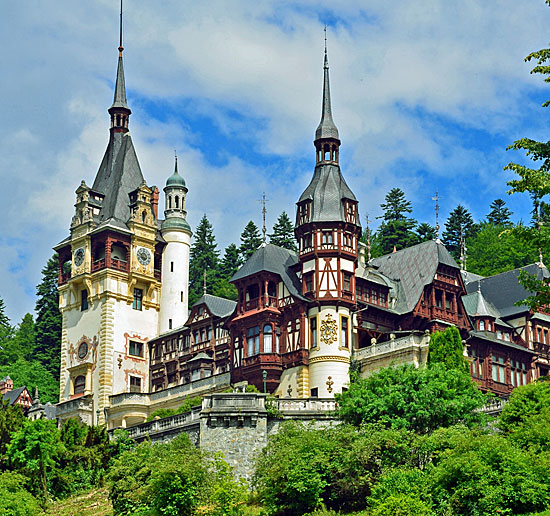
<point>329,330</point>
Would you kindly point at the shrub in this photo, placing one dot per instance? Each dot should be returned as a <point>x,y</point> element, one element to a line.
<point>15,498</point>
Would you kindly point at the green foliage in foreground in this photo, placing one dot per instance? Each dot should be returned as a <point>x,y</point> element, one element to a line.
<point>15,498</point>
<point>185,407</point>
<point>420,400</point>
<point>173,478</point>
<point>446,348</point>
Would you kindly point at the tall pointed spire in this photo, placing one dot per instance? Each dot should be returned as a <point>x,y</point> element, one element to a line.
<point>327,140</point>
<point>119,111</point>
<point>326,127</point>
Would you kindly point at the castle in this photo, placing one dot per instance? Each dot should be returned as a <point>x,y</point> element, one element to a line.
<point>131,344</point>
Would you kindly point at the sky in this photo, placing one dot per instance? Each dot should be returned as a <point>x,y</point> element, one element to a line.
<point>426,95</point>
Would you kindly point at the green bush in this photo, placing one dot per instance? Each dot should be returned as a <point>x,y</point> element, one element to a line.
<point>173,478</point>
<point>303,468</point>
<point>15,498</point>
<point>187,405</point>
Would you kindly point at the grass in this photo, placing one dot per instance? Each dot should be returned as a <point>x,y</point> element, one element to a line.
<point>91,503</point>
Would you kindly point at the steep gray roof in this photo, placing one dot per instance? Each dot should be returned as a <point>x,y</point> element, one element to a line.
<point>491,337</point>
<point>476,305</point>
<point>218,306</point>
<point>326,128</point>
<point>503,290</point>
<point>11,396</point>
<point>327,190</point>
<point>414,268</point>
<point>118,175</point>
<point>272,258</point>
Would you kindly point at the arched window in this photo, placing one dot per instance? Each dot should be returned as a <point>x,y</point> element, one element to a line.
<point>268,339</point>
<point>482,325</point>
<point>79,384</point>
<point>170,202</point>
<point>143,216</point>
<point>177,201</point>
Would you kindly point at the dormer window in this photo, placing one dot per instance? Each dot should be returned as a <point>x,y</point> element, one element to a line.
<point>327,238</point>
<point>482,325</point>
<point>304,213</point>
<point>350,213</point>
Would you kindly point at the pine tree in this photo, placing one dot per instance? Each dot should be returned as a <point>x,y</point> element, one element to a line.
<point>204,256</point>
<point>425,232</point>
<point>500,214</point>
<point>283,233</point>
<point>4,319</point>
<point>48,319</point>
<point>396,229</point>
<point>460,224</point>
<point>231,262</point>
<point>250,241</point>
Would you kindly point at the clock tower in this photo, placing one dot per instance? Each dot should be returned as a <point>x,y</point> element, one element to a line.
<point>109,278</point>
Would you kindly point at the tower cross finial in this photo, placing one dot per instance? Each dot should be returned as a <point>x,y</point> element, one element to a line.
<point>120,47</point>
<point>176,161</point>
<point>325,29</point>
<point>437,227</point>
<point>264,201</point>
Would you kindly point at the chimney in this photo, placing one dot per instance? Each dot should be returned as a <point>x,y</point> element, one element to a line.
<point>155,201</point>
<point>6,385</point>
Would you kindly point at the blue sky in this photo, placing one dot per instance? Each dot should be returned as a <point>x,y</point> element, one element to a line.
<point>426,95</point>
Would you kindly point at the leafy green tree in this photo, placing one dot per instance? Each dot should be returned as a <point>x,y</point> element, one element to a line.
<point>477,473</point>
<point>496,249</point>
<point>425,232</point>
<point>446,348</point>
<point>48,319</point>
<point>15,498</point>
<point>250,240</point>
<point>32,374</point>
<point>420,400</point>
<point>499,214</point>
<point>204,257</point>
<point>396,229</point>
<point>173,478</point>
<point>303,468</point>
<point>35,449</point>
<point>11,420</point>
<point>460,225</point>
<point>283,233</point>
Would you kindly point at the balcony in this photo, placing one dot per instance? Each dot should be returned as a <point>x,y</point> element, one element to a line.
<point>157,274</point>
<point>98,264</point>
<point>121,265</point>
<point>542,349</point>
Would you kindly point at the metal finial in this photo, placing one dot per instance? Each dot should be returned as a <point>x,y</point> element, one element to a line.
<point>263,200</point>
<point>541,264</point>
<point>437,228</point>
<point>326,54</point>
<point>120,47</point>
<point>176,161</point>
<point>204,282</point>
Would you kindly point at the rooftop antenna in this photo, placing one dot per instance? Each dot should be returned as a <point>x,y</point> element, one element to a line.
<point>367,231</point>
<point>437,228</point>
<point>263,200</point>
<point>204,282</point>
<point>463,250</point>
<point>120,47</point>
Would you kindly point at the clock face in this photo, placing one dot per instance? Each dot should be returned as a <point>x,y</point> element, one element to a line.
<point>143,256</point>
<point>79,256</point>
<point>82,350</point>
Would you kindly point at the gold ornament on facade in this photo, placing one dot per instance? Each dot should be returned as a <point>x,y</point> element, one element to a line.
<point>328,330</point>
<point>329,383</point>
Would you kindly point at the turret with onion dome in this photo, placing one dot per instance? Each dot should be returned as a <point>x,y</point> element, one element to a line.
<point>175,258</point>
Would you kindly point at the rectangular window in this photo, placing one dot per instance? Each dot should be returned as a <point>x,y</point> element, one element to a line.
<point>447,303</point>
<point>171,266</point>
<point>253,340</point>
<point>138,297</point>
<point>169,324</point>
<point>83,300</point>
<point>309,282</point>
<point>315,392</point>
<point>195,375</point>
<point>327,237</point>
<point>482,325</point>
<point>438,299</point>
<point>344,337</point>
<point>135,384</point>
<point>181,297</point>
<point>135,348</point>
<point>498,369</point>
<point>313,332</point>
<point>383,299</point>
<point>374,297</point>
<point>347,281</point>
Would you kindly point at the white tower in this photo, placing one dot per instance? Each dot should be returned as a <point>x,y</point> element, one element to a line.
<point>175,256</point>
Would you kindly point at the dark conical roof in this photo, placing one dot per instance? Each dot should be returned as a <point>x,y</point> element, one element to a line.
<point>119,100</point>
<point>326,127</point>
<point>327,190</point>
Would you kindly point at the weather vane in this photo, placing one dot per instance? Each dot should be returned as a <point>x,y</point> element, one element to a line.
<point>264,201</point>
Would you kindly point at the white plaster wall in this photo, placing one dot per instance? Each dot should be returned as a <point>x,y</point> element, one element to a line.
<point>174,283</point>
<point>329,359</point>
<point>289,378</point>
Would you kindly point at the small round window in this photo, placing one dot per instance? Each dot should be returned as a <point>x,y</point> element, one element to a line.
<point>83,350</point>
